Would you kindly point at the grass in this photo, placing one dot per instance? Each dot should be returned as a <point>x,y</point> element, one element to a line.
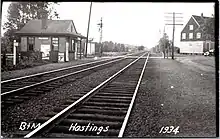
<point>23,64</point>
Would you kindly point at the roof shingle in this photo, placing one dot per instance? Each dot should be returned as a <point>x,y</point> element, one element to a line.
<point>200,20</point>
<point>53,26</point>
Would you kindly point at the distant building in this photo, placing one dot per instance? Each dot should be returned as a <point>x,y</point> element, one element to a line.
<point>57,40</point>
<point>191,37</point>
<point>91,48</point>
<point>153,49</point>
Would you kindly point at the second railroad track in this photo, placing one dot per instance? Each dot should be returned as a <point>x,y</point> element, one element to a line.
<point>103,111</point>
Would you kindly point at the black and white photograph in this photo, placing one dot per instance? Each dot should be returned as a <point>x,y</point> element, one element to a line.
<point>109,69</point>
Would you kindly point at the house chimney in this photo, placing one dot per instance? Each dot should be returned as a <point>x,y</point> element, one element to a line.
<point>44,19</point>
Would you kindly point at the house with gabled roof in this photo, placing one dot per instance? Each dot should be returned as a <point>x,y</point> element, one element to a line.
<point>192,40</point>
<point>57,40</point>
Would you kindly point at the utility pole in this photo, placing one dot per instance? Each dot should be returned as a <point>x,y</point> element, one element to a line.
<point>100,29</point>
<point>88,29</point>
<point>173,24</point>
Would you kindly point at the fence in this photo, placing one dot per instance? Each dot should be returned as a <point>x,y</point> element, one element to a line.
<point>7,59</point>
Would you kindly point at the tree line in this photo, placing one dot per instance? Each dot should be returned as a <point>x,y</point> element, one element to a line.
<point>18,14</point>
<point>109,46</point>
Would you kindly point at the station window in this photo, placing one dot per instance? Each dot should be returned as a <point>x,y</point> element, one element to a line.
<point>55,43</point>
<point>30,43</point>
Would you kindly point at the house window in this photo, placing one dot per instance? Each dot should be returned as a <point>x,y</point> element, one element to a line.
<point>183,35</point>
<point>30,43</point>
<point>190,35</point>
<point>198,35</point>
<point>55,43</point>
<point>190,27</point>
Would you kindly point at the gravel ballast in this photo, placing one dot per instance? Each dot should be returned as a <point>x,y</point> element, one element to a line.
<point>41,105</point>
<point>174,94</point>
<point>43,68</point>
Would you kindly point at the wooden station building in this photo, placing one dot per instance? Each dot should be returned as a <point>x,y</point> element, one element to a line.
<point>57,40</point>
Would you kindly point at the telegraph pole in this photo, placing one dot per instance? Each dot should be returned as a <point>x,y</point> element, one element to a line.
<point>88,29</point>
<point>173,24</point>
<point>173,35</point>
<point>100,29</point>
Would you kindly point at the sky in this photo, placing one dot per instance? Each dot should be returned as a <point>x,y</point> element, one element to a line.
<point>129,23</point>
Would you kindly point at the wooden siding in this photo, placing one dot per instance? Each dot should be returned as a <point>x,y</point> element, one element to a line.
<point>191,47</point>
<point>73,28</point>
<point>23,44</point>
<point>187,30</point>
<point>62,45</point>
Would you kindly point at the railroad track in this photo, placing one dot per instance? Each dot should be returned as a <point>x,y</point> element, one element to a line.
<point>103,111</point>
<point>18,90</point>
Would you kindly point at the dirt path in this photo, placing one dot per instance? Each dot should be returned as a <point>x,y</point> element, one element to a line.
<point>174,94</point>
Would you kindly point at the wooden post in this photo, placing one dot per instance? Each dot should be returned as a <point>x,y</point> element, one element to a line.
<point>15,52</point>
<point>76,50</point>
<point>173,35</point>
<point>88,30</point>
<point>80,48</point>
<point>67,52</point>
